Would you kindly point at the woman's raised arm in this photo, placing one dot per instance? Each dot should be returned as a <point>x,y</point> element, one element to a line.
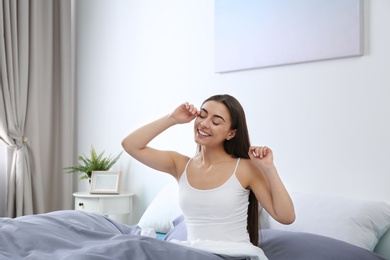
<point>136,142</point>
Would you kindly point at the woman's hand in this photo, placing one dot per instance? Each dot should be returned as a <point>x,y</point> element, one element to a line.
<point>261,156</point>
<point>185,113</point>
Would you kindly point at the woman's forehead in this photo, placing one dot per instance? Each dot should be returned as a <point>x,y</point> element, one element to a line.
<point>216,108</point>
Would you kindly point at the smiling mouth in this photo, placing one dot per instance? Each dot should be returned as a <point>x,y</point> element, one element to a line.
<point>203,133</point>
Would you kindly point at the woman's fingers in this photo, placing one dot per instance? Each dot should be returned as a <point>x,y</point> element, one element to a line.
<point>258,151</point>
<point>190,108</point>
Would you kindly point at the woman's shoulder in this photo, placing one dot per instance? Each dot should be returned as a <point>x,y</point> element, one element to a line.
<point>246,168</point>
<point>245,162</point>
<point>181,162</point>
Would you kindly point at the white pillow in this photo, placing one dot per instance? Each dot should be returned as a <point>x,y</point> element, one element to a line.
<point>357,222</point>
<point>162,210</point>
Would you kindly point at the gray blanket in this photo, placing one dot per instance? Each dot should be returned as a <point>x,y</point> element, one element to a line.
<point>70,234</point>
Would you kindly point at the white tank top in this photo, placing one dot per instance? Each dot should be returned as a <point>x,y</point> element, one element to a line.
<point>218,214</point>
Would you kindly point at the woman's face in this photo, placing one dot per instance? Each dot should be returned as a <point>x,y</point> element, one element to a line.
<point>212,126</point>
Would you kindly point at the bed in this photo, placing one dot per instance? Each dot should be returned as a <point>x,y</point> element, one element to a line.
<point>333,228</point>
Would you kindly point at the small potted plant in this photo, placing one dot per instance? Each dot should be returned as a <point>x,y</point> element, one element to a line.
<point>96,162</point>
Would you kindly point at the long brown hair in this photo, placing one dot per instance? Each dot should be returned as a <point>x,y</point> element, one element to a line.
<point>238,147</point>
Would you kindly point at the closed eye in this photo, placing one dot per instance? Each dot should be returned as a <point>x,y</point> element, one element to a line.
<point>203,113</point>
<point>217,120</point>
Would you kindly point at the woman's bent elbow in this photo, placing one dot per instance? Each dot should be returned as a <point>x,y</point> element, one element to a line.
<point>126,146</point>
<point>289,219</point>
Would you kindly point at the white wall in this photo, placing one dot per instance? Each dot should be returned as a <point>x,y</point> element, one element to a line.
<point>328,122</point>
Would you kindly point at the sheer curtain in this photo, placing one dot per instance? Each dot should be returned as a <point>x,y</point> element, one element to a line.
<point>37,103</point>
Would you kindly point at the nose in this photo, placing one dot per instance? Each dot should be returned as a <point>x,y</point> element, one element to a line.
<point>204,124</point>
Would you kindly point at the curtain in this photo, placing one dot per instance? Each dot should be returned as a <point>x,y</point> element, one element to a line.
<point>3,178</point>
<point>37,103</point>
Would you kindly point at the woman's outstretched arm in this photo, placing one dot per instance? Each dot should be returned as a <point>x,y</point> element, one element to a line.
<point>136,142</point>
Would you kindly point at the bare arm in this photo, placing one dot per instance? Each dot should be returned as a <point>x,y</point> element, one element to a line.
<point>273,196</point>
<point>136,142</point>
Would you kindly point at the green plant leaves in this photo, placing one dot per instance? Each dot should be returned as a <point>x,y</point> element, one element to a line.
<point>96,162</point>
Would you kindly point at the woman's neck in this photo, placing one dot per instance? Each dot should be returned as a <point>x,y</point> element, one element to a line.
<point>213,156</point>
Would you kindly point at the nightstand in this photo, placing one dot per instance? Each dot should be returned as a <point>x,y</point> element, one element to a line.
<point>104,204</point>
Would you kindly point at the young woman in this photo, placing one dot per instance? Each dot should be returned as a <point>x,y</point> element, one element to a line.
<point>220,187</point>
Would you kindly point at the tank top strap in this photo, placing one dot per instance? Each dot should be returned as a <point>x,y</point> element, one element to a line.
<point>185,169</point>
<point>235,169</point>
<point>184,173</point>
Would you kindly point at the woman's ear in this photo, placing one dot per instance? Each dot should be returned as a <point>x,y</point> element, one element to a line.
<point>231,134</point>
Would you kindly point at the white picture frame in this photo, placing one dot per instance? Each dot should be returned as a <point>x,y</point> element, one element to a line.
<point>105,182</point>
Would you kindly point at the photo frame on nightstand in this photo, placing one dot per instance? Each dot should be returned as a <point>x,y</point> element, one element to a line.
<point>105,182</point>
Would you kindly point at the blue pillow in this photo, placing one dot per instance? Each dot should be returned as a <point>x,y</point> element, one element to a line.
<point>279,244</point>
